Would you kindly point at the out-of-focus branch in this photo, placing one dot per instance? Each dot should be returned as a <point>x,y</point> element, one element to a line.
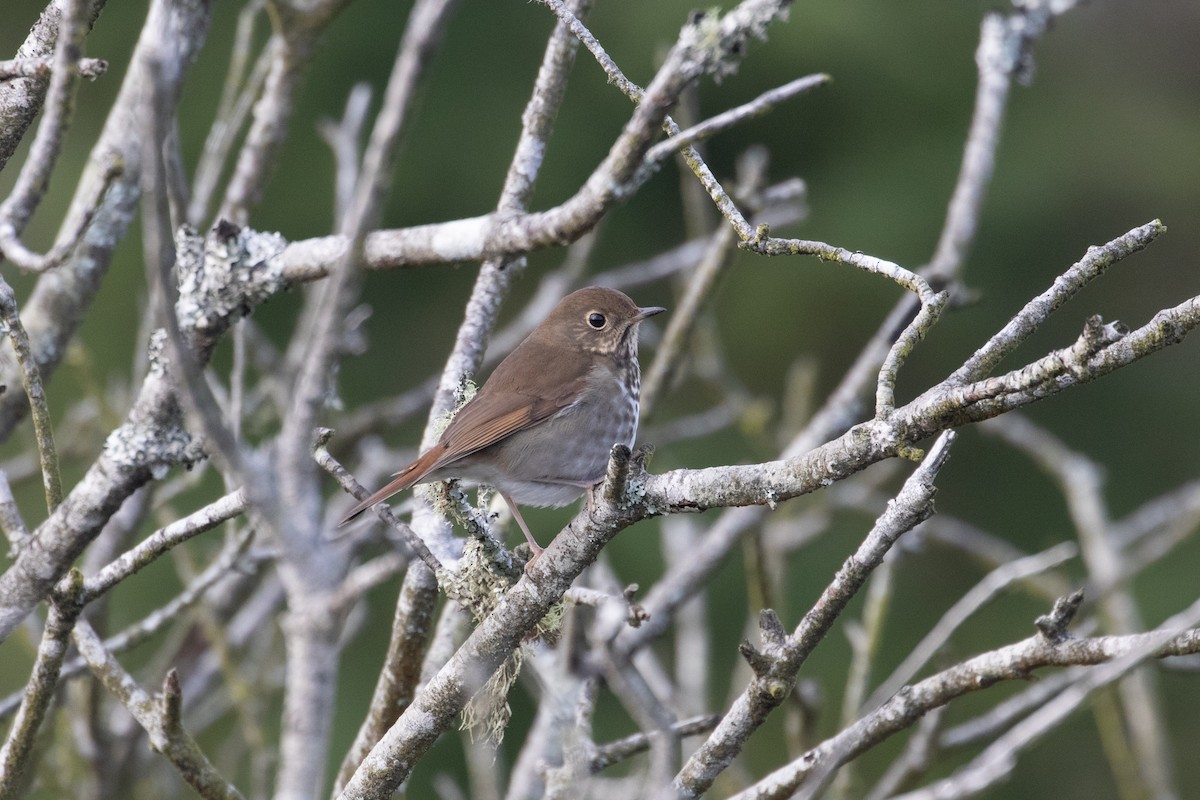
<point>11,521</point>
<point>58,303</point>
<point>920,752</point>
<point>993,583</point>
<point>343,138</point>
<point>34,178</point>
<point>605,755</point>
<point>39,690</point>
<point>31,381</point>
<point>150,441</point>
<point>154,622</point>
<point>312,569</point>
<point>237,100</point>
<point>1001,716</point>
<point>1081,483</point>
<point>700,287</point>
<point>288,52</point>
<point>1003,47</point>
<point>400,673</point>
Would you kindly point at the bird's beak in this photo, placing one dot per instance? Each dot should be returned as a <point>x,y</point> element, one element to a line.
<point>649,311</point>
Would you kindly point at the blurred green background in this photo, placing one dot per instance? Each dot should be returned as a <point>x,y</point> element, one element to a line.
<point>1106,137</point>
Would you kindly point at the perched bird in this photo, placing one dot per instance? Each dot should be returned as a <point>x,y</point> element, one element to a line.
<point>541,428</point>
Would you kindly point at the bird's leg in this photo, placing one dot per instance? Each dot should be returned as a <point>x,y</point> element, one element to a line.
<point>533,545</point>
<point>589,491</point>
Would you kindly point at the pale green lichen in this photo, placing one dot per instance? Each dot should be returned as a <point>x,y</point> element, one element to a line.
<point>479,585</point>
<point>488,712</point>
<point>480,582</point>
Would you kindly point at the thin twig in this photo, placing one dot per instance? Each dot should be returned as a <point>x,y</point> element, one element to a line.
<point>779,662</point>
<point>636,94</point>
<point>408,537</point>
<point>237,99</point>
<point>90,68</point>
<point>759,106</point>
<point>975,598</point>
<point>699,292</point>
<point>162,540</point>
<point>39,690</point>
<point>31,380</point>
<point>999,758</point>
<point>1013,662</point>
<point>1083,272</point>
<point>605,755</point>
<point>164,730</point>
<point>34,178</point>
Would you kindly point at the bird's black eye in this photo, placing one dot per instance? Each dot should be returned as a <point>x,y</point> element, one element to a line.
<point>596,320</point>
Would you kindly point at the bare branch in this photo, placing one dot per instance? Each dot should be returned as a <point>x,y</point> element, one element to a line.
<point>1081,482</point>
<point>237,98</point>
<point>1123,654</point>
<point>1087,269</point>
<point>34,178</point>
<point>57,305</point>
<point>31,380</point>
<point>611,753</point>
<point>39,691</point>
<point>759,106</point>
<point>166,734</point>
<point>685,316</point>
<point>772,681</point>
<point>992,584</point>
<point>162,540</point>
<point>1013,662</point>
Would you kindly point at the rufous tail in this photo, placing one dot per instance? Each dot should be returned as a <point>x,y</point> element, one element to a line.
<point>410,475</point>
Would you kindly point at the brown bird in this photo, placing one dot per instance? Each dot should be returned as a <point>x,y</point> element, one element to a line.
<point>541,428</point>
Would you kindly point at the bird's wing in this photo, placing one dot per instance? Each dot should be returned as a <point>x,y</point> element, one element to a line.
<point>516,397</point>
<point>487,420</point>
<point>508,402</point>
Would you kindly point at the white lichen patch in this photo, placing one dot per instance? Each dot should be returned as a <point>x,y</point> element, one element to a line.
<point>224,274</point>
